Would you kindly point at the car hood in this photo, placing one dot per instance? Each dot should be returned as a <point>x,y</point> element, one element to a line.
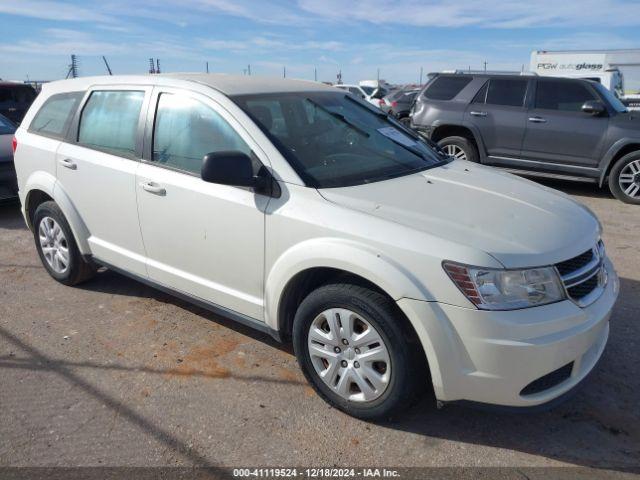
<point>516,221</point>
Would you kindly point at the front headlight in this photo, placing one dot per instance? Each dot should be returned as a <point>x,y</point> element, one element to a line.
<point>497,289</point>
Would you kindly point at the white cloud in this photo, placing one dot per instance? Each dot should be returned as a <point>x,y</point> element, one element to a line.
<point>52,10</point>
<point>272,44</point>
<point>496,14</point>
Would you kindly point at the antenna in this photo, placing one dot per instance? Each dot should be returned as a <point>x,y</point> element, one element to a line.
<point>106,64</point>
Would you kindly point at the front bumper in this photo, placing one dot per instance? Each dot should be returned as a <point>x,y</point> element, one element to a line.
<point>490,357</point>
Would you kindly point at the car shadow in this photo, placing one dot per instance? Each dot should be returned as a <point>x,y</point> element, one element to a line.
<point>10,216</point>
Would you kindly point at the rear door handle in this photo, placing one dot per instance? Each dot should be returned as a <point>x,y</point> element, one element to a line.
<point>68,163</point>
<point>537,120</point>
<point>478,114</point>
<point>153,187</point>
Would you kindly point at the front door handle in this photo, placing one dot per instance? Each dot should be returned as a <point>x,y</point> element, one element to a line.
<point>153,187</point>
<point>478,114</point>
<point>537,120</point>
<point>68,163</point>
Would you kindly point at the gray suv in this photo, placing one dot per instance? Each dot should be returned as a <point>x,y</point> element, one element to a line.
<point>540,126</point>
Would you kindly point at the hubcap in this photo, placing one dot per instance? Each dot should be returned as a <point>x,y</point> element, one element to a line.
<point>629,179</point>
<point>349,355</point>
<point>455,152</point>
<point>53,243</point>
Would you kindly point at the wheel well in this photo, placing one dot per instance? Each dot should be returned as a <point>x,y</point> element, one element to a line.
<point>444,131</point>
<point>34,199</point>
<point>632,147</point>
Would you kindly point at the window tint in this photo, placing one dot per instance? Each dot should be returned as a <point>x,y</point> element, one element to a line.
<point>565,96</point>
<point>186,130</point>
<point>445,88</point>
<point>110,121</point>
<point>54,116</point>
<point>482,94</point>
<point>356,91</point>
<point>24,94</point>
<point>506,92</point>
<point>6,126</point>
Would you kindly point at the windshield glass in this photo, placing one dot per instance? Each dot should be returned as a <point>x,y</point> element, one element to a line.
<point>6,127</point>
<point>335,140</point>
<point>610,97</point>
<point>367,90</point>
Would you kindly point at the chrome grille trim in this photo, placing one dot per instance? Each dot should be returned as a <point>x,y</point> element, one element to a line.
<point>583,274</point>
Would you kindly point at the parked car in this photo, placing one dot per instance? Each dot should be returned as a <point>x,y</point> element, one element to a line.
<point>8,183</point>
<point>373,95</point>
<point>308,214</point>
<point>399,102</point>
<point>15,99</point>
<point>541,126</point>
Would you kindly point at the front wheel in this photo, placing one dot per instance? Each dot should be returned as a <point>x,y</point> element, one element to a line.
<point>353,350</point>
<point>624,179</point>
<point>460,148</point>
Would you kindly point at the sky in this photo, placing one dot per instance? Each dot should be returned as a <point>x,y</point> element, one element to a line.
<point>307,37</point>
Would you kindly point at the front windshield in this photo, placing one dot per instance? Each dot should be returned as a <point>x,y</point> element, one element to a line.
<point>611,98</point>
<point>335,140</point>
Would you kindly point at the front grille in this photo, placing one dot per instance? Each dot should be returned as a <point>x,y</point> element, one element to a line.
<point>584,276</point>
<point>550,380</point>
<point>575,263</point>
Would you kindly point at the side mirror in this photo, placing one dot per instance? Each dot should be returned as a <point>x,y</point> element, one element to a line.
<point>593,107</point>
<point>228,168</point>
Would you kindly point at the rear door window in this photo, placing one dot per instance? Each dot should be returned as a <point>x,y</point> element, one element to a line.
<point>507,92</point>
<point>55,115</point>
<point>563,96</point>
<point>446,88</point>
<point>110,120</point>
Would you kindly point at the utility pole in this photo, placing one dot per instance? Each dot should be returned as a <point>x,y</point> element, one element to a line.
<point>73,67</point>
<point>106,64</point>
<point>157,65</point>
<point>284,72</point>
<point>207,67</point>
<point>315,74</point>
<point>485,65</point>
<point>420,76</point>
<point>249,69</point>
<point>378,78</point>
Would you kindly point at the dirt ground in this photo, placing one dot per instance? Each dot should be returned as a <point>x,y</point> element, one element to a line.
<point>116,373</point>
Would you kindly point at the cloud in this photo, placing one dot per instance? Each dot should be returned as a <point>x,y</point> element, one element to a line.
<point>52,10</point>
<point>272,44</point>
<point>497,14</point>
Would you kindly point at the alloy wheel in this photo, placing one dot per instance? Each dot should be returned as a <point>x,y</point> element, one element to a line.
<point>53,243</point>
<point>455,151</point>
<point>629,179</point>
<point>349,355</point>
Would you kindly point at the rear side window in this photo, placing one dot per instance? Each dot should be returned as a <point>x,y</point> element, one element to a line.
<point>109,121</point>
<point>445,88</point>
<point>55,115</point>
<point>563,96</point>
<point>186,130</point>
<point>506,92</point>
<point>6,126</point>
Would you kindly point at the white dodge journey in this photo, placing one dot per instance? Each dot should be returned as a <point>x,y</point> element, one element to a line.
<point>304,212</point>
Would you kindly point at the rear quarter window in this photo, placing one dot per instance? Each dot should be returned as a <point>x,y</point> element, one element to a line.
<point>446,88</point>
<point>55,115</point>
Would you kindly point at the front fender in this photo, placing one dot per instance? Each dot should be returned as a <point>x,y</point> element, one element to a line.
<point>342,254</point>
<point>48,184</point>
<point>609,155</point>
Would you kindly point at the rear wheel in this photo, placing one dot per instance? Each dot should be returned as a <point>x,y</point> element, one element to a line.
<point>57,247</point>
<point>624,179</point>
<point>460,148</point>
<point>351,346</point>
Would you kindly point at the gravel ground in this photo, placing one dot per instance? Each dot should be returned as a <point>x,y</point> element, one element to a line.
<point>115,373</point>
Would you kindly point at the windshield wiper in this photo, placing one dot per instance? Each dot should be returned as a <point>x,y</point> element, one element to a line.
<point>341,117</point>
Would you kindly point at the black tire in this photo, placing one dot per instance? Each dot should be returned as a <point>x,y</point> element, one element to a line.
<point>406,121</point>
<point>464,144</point>
<point>78,269</point>
<point>614,178</point>
<point>381,312</point>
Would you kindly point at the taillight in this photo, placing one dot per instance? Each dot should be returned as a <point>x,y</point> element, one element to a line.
<point>381,102</point>
<point>394,104</point>
<point>14,144</point>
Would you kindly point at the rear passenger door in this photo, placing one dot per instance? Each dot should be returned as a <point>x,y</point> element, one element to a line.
<point>498,113</point>
<point>201,238</point>
<point>558,131</point>
<point>97,166</point>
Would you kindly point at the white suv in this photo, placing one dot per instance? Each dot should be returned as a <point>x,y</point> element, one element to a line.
<point>306,213</point>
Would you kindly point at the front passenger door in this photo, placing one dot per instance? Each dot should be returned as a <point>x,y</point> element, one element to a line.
<point>203,239</point>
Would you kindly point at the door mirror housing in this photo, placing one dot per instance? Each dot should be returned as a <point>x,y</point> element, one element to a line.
<point>228,168</point>
<point>593,107</point>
